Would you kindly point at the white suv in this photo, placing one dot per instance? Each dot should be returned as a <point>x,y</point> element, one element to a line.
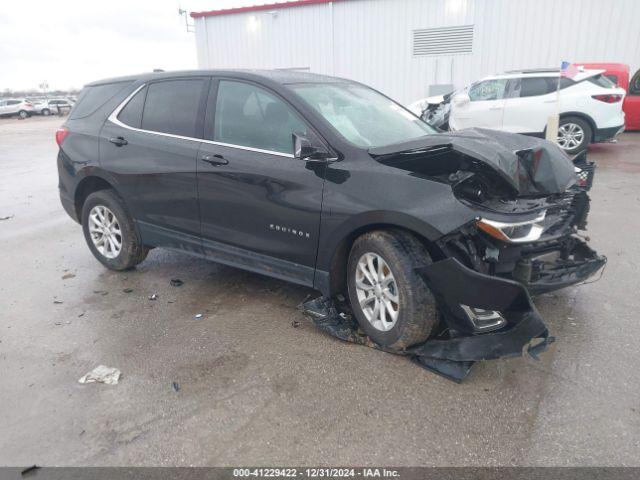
<point>21,107</point>
<point>521,102</point>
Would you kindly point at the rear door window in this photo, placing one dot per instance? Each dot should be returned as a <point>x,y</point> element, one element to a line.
<point>536,86</point>
<point>172,106</point>
<point>249,116</point>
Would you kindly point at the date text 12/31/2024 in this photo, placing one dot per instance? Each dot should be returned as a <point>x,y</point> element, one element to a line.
<point>315,473</point>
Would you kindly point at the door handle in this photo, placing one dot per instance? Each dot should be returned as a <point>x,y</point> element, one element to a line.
<point>216,160</point>
<point>118,141</point>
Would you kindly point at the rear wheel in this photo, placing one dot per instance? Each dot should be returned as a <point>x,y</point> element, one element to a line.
<point>390,301</point>
<point>574,134</point>
<point>109,231</point>
<point>46,112</point>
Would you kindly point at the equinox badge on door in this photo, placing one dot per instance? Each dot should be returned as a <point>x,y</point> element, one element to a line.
<point>293,231</point>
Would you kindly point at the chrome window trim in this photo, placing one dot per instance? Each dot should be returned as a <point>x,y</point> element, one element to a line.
<point>113,118</point>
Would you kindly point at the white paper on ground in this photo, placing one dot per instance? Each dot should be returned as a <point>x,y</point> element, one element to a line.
<point>102,374</point>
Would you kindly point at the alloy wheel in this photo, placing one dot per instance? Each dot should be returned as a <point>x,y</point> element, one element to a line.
<point>570,136</point>
<point>105,231</point>
<point>377,292</point>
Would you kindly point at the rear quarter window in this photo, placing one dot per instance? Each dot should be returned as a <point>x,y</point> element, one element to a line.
<point>94,97</point>
<point>601,81</point>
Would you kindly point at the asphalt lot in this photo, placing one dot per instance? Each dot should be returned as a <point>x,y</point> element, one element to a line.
<point>256,390</point>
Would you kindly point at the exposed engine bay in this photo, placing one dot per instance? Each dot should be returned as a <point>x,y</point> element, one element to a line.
<point>531,204</point>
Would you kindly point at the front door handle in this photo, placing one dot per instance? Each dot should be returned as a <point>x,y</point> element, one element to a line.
<point>118,141</point>
<point>215,160</point>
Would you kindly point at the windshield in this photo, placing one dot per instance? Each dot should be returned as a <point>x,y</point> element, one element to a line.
<point>361,115</point>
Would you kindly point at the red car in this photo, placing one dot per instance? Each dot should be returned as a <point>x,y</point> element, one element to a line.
<point>619,74</point>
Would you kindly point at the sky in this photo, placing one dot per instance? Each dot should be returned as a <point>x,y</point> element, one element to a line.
<point>68,43</point>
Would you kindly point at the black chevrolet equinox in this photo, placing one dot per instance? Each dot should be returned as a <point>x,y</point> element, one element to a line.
<point>430,236</point>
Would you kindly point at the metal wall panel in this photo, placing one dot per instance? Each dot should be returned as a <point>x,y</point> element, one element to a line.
<point>372,40</point>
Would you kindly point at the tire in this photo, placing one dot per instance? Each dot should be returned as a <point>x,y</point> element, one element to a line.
<point>46,112</point>
<point>131,251</point>
<point>580,127</point>
<point>23,114</point>
<point>416,307</point>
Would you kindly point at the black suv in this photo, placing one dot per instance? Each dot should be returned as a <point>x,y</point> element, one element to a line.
<point>327,183</point>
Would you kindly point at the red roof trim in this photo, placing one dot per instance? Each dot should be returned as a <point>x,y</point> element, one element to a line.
<point>257,8</point>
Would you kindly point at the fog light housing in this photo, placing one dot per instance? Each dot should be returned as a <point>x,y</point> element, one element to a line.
<point>484,320</point>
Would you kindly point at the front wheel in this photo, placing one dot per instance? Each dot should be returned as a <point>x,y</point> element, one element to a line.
<point>46,112</point>
<point>23,114</point>
<point>110,232</point>
<point>390,301</point>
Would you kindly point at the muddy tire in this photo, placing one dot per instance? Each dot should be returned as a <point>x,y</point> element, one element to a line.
<point>110,232</point>
<point>390,301</point>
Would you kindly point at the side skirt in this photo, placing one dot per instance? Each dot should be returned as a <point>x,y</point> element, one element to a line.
<point>230,255</point>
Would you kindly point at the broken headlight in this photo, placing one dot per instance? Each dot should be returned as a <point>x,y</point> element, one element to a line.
<point>513,232</point>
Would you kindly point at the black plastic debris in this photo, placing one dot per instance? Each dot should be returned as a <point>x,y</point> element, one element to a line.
<point>58,302</point>
<point>127,290</point>
<point>451,351</point>
<point>29,470</point>
<point>295,323</point>
<point>101,292</point>
<point>153,296</point>
<point>175,386</point>
<point>6,218</point>
<point>176,282</point>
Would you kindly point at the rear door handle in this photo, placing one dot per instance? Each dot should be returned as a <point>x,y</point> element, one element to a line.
<point>215,160</point>
<point>118,141</point>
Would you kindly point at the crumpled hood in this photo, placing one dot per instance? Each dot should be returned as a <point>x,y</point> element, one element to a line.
<point>530,165</point>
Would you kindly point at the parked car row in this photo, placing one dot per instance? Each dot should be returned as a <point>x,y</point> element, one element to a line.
<point>592,106</point>
<point>25,107</point>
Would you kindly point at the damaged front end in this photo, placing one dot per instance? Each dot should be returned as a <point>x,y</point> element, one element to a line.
<point>531,203</point>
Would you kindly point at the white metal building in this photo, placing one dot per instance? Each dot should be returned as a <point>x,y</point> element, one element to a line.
<point>403,47</point>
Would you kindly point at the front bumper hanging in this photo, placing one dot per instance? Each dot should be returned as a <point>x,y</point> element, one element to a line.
<point>453,349</point>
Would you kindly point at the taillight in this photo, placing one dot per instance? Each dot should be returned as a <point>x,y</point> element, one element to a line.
<point>28,104</point>
<point>61,134</point>
<point>607,98</point>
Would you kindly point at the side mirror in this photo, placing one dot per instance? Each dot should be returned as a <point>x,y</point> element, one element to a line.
<point>304,149</point>
<point>461,99</point>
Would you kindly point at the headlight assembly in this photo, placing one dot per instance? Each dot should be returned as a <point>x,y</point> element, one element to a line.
<point>516,232</point>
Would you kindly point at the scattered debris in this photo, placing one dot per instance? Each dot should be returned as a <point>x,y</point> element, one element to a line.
<point>127,290</point>
<point>7,218</point>
<point>30,469</point>
<point>57,302</point>
<point>176,282</point>
<point>197,316</point>
<point>81,315</point>
<point>102,374</point>
<point>295,323</point>
<point>153,297</point>
<point>81,433</point>
<point>101,292</point>
<point>68,275</point>
<point>58,323</point>
<point>175,386</point>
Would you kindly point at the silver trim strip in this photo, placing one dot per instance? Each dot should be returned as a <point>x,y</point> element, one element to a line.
<point>113,118</point>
